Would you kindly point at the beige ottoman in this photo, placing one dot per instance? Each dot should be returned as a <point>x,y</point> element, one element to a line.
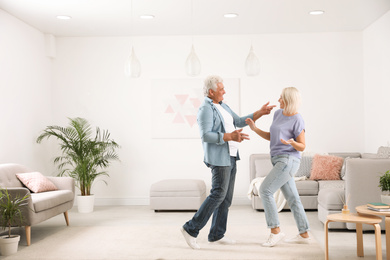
<point>177,194</point>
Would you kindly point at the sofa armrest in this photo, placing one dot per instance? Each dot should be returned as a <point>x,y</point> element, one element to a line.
<point>263,160</point>
<point>362,180</point>
<point>63,183</point>
<point>17,191</point>
<point>28,209</point>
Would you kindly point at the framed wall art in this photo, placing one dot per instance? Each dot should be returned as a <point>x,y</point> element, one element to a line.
<point>175,104</point>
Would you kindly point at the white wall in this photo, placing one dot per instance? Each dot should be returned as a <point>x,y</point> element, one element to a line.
<point>25,83</point>
<point>89,82</point>
<point>376,40</point>
<point>86,79</point>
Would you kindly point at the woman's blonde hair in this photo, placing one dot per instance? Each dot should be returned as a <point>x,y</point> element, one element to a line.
<point>292,100</point>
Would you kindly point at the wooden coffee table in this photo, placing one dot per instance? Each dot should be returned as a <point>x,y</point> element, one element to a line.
<point>359,220</point>
<point>363,210</point>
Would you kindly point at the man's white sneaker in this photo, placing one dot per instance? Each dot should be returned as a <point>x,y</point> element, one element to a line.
<point>273,239</point>
<point>191,241</point>
<point>224,241</point>
<point>298,240</point>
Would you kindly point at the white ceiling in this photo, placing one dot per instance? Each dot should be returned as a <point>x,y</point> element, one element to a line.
<point>173,17</point>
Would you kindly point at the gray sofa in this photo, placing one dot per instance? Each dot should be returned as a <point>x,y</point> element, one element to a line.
<point>43,205</point>
<point>360,184</point>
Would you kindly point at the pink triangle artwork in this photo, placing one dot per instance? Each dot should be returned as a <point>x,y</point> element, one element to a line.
<point>195,102</point>
<point>169,110</point>
<point>178,119</point>
<point>181,98</point>
<point>191,120</point>
<point>175,104</point>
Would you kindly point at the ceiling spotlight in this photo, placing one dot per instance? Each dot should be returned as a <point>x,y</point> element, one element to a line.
<point>147,16</point>
<point>316,12</point>
<point>64,17</point>
<point>230,15</point>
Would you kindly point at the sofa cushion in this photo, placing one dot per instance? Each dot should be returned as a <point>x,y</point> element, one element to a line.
<point>330,184</point>
<point>326,167</point>
<point>384,152</point>
<point>307,187</point>
<point>305,166</point>
<point>36,182</point>
<point>370,156</point>
<point>331,199</point>
<point>50,199</point>
<point>344,168</point>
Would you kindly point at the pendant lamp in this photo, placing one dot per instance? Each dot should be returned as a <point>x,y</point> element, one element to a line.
<point>252,64</point>
<point>193,63</point>
<point>132,64</point>
<point>193,66</point>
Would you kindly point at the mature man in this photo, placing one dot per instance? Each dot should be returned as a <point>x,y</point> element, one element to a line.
<point>220,139</point>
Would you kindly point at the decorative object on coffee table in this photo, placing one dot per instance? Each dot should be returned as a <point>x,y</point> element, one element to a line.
<point>384,184</point>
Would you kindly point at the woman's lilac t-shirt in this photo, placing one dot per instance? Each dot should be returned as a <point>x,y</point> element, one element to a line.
<point>285,127</point>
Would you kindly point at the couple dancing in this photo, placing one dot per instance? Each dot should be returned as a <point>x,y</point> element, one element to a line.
<point>220,139</point>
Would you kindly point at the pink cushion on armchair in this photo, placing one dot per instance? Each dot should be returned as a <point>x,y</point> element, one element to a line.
<point>36,182</point>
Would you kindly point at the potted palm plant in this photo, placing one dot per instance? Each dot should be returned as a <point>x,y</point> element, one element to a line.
<point>384,184</point>
<point>84,157</point>
<point>10,215</point>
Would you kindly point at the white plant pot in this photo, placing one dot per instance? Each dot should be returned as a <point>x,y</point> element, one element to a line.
<point>385,199</point>
<point>85,203</point>
<point>9,246</point>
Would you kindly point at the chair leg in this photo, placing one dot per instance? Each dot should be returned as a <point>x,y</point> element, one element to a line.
<point>66,218</point>
<point>28,235</point>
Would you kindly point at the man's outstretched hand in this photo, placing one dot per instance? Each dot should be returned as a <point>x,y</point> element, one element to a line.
<point>266,109</point>
<point>237,136</point>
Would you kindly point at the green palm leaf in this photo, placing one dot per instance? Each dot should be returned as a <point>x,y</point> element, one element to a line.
<point>83,156</point>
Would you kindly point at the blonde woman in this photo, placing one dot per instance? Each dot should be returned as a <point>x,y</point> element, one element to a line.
<point>287,141</point>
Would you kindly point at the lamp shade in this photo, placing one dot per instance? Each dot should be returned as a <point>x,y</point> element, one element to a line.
<point>132,66</point>
<point>252,64</point>
<point>193,64</point>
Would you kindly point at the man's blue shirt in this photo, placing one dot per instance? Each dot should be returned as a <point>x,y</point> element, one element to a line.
<point>212,129</point>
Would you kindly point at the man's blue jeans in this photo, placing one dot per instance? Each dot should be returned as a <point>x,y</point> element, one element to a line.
<point>217,203</point>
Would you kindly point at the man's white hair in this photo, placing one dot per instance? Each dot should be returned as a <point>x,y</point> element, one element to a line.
<point>211,83</point>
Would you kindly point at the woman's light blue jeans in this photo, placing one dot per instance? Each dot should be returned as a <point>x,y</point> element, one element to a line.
<point>282,176</point>
<point>216,204</point>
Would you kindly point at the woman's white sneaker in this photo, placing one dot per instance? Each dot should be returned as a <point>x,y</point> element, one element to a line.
<point>273,239</point>
<point>298,240</point>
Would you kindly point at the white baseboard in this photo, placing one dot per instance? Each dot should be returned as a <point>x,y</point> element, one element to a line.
<point>122,201</point>
<point>144,201</point>
<point>241,201</point>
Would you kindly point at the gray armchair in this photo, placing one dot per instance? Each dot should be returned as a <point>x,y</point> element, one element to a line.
<point>43,205</point>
